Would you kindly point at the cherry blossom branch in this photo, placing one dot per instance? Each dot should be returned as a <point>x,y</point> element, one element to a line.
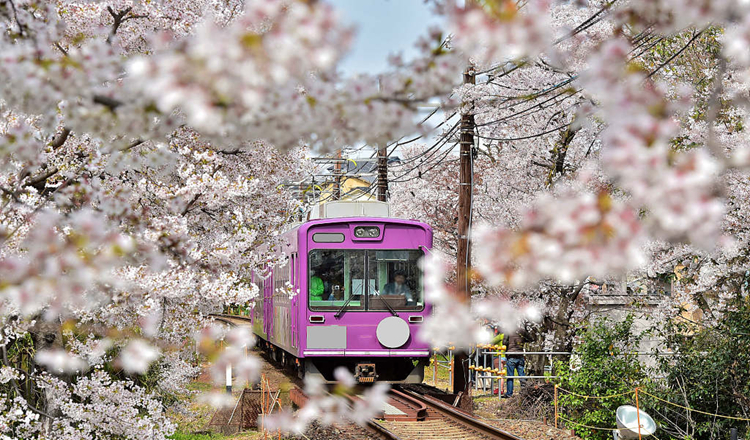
<point>119,19</point>
<point>676,54</point>
<point>58,141</point>
<point>39,206</point>
<point>190,204</point>
<point>15,384</point>
<point>108,102</point>
<point>15,17</point>
<point>39,181</point>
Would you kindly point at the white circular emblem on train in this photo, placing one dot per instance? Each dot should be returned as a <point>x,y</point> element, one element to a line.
<point>393,332</point>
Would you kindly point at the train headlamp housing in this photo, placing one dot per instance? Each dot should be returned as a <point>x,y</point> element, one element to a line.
<point>367,232</point>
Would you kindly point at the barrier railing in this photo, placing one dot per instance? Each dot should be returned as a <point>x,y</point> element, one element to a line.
<point>486,376</point>
<point>487,366</point>
<point>447,363</point>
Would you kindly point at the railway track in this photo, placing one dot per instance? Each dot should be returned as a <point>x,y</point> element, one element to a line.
<point>429,418</point>
<point>371,430</point>
<point>413,416</point>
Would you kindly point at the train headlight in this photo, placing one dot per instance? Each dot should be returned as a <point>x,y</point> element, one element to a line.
<point>367,232</point>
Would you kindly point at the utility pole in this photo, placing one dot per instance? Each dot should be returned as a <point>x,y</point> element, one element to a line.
<point>465,192</point>
<point>382,174</point>
<point>337,176</point>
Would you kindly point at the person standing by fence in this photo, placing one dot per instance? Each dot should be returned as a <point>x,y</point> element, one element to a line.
<point>515,363</point>
<point>497,361</point>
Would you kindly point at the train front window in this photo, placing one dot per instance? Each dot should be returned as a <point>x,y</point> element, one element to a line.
<point>341,277</point>
<point>396,279</point>
<point>336,276</point>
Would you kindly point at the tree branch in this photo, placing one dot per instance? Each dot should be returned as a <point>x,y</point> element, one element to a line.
<point>577,291</point>
<point>15,17</point>
<point>234,152</point>
<point>60,139</point>
<point>40,180</point>
<point>118,19</point>
<point>678,53</point>
<point>133,144</point>
<point>62,49</point>
<point>190,204</point>
<point>15,385</point>
<point>108,102</point>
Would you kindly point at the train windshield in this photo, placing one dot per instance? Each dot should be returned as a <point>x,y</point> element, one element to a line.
<point>367,279</point>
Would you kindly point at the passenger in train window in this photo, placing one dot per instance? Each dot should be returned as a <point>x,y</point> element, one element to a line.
<point>399,287</point>
<point>337,293</point>
<point>317,287</point>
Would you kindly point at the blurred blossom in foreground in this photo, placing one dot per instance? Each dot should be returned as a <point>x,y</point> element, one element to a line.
<point>455,322</point>
<point>217,399</point>
<point>335,407</point>
<point>501,30</point>
<point>221,76</point>
<point>59,361</point>
<point>567,236</point>
<point>245,367</point>
<point>451,322</point>
<point>137,356</point>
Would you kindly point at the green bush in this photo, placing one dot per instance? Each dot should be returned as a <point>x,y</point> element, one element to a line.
<point>710,372</point>
<point>607,367</point>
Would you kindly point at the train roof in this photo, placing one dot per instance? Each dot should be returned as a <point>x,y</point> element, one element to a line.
<point>328,221</point>
<point>349,211</point>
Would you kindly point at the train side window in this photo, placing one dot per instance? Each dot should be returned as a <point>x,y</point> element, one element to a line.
<point>292,269</point>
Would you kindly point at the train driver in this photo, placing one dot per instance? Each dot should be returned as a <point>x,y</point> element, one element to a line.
<point>399,287</point>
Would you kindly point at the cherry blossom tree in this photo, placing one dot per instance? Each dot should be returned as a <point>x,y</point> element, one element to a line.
<point>561,116</point>
<point>143,144</point>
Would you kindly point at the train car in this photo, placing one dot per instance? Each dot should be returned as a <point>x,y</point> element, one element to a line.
<point>350,293</point>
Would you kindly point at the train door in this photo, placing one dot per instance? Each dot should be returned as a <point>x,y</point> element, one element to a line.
<point>293,306</point>
<point>268,306</point>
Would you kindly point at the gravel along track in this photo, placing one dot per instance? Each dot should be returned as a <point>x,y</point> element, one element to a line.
<point>421,417</point>
<point>438,429</point>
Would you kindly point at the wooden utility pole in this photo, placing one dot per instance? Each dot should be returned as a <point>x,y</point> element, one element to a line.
<point>465,191</point>
<point>337,177</point>
<point>382,174</point>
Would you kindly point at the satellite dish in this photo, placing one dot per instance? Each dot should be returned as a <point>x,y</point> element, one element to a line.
<point>627,423</point>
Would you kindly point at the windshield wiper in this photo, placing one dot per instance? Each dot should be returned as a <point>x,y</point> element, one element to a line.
<point>346,303</point>
<point>341,310</point>
<point>393,312</point>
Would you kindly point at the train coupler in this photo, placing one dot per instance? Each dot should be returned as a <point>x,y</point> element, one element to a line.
<point>365,373</point>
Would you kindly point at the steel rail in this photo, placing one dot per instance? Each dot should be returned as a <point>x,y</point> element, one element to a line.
<point>227,319</point>
<point>420,409</point>
<point>299,397</point>
<point>486,430</point>
<point>381,431</point>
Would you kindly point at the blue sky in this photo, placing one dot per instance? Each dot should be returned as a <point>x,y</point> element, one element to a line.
<point>383,27</point>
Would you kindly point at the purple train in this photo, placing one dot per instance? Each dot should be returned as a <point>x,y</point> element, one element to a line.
<point>359,299</point>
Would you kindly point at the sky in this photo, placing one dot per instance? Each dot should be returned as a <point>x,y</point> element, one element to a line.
<point>383,27</point>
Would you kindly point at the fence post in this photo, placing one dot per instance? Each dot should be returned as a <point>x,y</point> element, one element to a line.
<point>228,377</point>
<point>262,403</point>
<point>638,413</point>
<point>476,363</point>
<point>434,369</point>
<point>450,354</point>
<point>555,406</point>
<point>733,434</point>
